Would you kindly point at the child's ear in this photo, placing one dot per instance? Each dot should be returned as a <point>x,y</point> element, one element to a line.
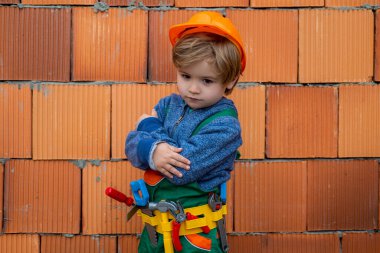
<point>231,84</point>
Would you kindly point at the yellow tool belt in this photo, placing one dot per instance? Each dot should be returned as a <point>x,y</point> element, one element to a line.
<point>163,221</point>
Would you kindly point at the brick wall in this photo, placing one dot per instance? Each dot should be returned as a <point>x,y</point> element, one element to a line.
<point>74,79</point>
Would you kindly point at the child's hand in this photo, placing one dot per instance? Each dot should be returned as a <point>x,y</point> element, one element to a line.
<point>144,116</point>
<point>154,113</point>
<point>141,118</point>
<point>167,157</point>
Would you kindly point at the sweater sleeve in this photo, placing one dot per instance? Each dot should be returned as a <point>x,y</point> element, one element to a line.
<point>139,142</point>
<point>214,147</point>
<point>149,124</point>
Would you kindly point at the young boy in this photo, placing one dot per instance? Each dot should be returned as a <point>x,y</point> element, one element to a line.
<point>189,143</point>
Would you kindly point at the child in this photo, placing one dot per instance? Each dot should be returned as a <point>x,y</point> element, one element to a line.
<point>189,143</point>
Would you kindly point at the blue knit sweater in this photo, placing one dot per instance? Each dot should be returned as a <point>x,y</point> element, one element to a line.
<point>211,151</point>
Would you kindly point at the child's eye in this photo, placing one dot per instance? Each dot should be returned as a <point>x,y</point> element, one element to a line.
<point>207,81</point>
<point>185,76</point>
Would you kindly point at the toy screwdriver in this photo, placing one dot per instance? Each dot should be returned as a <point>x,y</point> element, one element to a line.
<point>121,197</point>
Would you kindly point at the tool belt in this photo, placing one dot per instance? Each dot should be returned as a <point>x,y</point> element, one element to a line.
<point>163,221</point>
<point>170,219</point>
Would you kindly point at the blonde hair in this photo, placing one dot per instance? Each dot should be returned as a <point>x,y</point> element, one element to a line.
<point>216,50</point>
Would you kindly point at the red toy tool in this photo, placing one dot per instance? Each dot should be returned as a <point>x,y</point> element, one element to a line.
<point>119,196</point>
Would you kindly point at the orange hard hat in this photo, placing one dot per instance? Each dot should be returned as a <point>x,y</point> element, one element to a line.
<point>209,22</point>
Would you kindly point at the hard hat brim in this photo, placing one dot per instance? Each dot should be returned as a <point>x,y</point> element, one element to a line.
<point>178,31</point>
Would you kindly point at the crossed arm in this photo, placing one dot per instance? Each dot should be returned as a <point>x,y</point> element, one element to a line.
<point>211,150</point>
<point>166,158</point>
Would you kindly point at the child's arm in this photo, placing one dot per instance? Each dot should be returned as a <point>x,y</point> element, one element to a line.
<point>167,159</point>
<point>212,150</point>
<point>141,138</point>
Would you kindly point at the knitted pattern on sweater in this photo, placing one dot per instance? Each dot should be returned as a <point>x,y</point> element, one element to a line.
<point>212,150</point>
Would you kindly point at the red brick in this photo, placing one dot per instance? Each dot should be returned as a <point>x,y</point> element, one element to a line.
<point>229,218</point>
<point>158,2</point>
<point>20,243</point>
<point>16,121</point>
<point>212,3</point>
<point>78,244</point>
<point>284,243</point>
<point>270,197</point>
<point>359,118</point>
<point>342,195</point>
<point>129,101</point>
<point>377,46</point>
<point>245,243</point>
<point>71,121</point>
<point>101,214</point>
<point>356,3</point>
<point>151,3</point>
<point>286,3</point>
<point>35,44</point>
<point>41,196</point>
<point>59,2</point>
<point>361,242</point>
<point>335,45</point>
<point>305,243</point>
<point>103,48</point>
<point>1,196</point>
<point>250,103</point>
<point>9,1</point>
<point>302,122</point>
<point>128,244</point>
<point>160,63</point>
<point>271,44</point>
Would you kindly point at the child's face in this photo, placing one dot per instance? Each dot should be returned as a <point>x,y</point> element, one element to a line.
<point>200,86</point>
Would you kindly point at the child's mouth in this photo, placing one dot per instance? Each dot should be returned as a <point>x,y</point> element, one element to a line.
<point>193,99</point>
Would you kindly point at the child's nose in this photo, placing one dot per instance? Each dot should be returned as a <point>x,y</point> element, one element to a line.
<point>194,88</point>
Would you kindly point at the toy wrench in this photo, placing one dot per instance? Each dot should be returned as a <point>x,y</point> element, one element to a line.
<point>216,204</point>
